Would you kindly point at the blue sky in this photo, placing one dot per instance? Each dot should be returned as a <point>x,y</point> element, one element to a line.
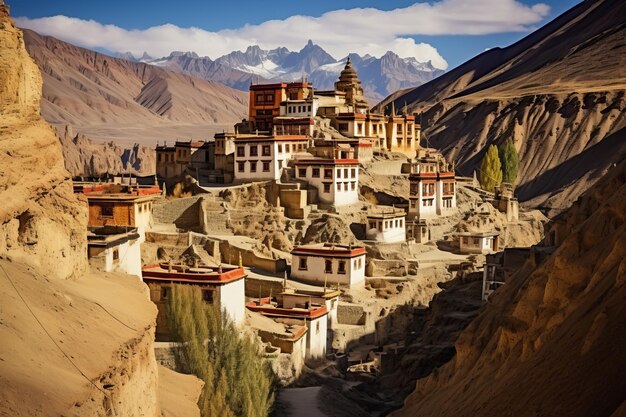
<point>422,30</point>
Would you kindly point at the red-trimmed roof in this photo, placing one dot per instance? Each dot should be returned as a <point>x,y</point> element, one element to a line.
<point>274,86</point>
<point>269,310</point>
<point>330,251</point>
<point>160,272</point>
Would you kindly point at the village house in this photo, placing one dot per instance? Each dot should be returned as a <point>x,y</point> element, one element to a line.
<point>432,189</point>
<point>506,202</point>
<point>329,264</point>
<point>478,242</point>
<point>263,157</point>
<point>222,286</point>
<point>387,226</point>
<point>402,134</point>
<point>296,117</point>
<point>313,316</point>
<point>336,180</point>
<point>417,231</point>
<point>184,156</point>
<point>114,249</point>
<point>120,205</point>
<point>291,298</point>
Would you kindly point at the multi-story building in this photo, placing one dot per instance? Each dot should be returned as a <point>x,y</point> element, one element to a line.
<point>329,264</point>
<point>266,99</point>
<point>401,133</point>
<point>263,157</point>
<point>114,248</point>
<point>173,161</point>
<point>336,180</point>
<point>432,186</point>
<point>296,117</point>
<point>120,205</point>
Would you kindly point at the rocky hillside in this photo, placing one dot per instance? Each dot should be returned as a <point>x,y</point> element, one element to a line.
<point>85,157</point>
<point>108,98</point>
<point>72,342</point>
<point>559,93</point>
<point>552,340</point>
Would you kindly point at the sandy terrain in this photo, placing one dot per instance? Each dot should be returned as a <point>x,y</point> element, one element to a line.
<point>178,394</point>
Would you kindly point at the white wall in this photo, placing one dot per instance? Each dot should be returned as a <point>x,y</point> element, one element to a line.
<point>316,337</point>
<point>143,218</point>
<point>129,258</point>
<point>467,244</point>
<point>232,300</point>
<point>343,190</point>
<point>315,271</point>
<point>280,153</point>
<point>393,229</point>
<point>299,108</point>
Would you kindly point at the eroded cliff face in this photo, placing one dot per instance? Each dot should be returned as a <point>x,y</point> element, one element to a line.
<point>552,340</point>
<point>72,342</point>
<point>41,221</point>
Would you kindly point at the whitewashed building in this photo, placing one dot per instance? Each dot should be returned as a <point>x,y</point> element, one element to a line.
<point>329,264</point>
<point>432,189</point>
<point>336,180</point>
<point>478,242</point>
<point>387,226</point>
<point>263,157</point>
<point>115,249</point>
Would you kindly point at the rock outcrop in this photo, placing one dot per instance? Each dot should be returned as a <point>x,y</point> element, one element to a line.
<point>72,342</point>
<point>552,340</point>
<point>558,93</point>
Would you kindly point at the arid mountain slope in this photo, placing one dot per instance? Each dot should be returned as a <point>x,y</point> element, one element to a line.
<point>72,342</point>
<point>559,93</point>
<point>113,99</point>
<point>551,342</point>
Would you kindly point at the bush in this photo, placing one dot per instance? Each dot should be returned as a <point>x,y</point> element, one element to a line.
<point>490,173</point>
<point>509,161</point>
<point>237,380</point>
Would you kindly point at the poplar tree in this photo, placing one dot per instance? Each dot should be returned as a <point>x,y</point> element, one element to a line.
<point>490,174</point>
<point>238,381</point>
<point>509,161</point>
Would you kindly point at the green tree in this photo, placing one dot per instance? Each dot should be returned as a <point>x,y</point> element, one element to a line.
<point>490,173</point>
<point>509,161</point>
<point>237,380</point>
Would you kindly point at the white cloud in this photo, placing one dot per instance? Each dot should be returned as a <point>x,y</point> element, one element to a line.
<point>339,32</point>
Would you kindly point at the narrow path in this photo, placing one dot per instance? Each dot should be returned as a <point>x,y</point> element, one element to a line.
<point>300,402</point>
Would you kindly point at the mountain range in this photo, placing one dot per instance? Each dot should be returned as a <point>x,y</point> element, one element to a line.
<point>380,76</point>
<point>558,93</point>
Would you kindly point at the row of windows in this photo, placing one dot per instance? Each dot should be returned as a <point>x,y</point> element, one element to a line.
<point>346,173</point>
<point>386,224</point>
<point>262,112</point>
<point>254,150</point>
<point>298,109</point>
<point>165,157</point>
<point>295,147</point>
<point>264,98</point>
<point>446,203</point>
<point>265,166</point>
<point>328,265</point>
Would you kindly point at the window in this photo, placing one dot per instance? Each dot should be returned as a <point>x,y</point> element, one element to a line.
<point>254,150</point>
<point>280,164</point>
<point>287,147</point>
<point>259,98</point>
<point>316,173</point>
<point>399,129</point>
<point>401,222</point>
<point>280,148</point>
<point>116,254</point>
<point>345,186</point>
<point>359,128</point>
<point>266,150</point>
<point>241,166</point>
<point>475,241</point>
<point>353,172</point>
<point>309,108</point>
<point>343,127</point>
<point>302,264</point>
<point>269,97</point>
<point>447,203</point>
<point>266,166</point>
<point>428,203</point>
<point>346,173</point>
<point>293,96</point>
<point>317,327</point>
<point>342,267</point>
<point>241,151</point>
<point>353,186</point>
<point>338,186</point>
<point>328,173</point>
<point>106,210</point>
<point>252,166</point>
<point>397,223</point>
<point>428,189</point>
<point>328,266</point>
<point>207,296</point>
<point>339,173</point>
<point>326,187</point>
<point>302,172</point>
<point>163,293</point>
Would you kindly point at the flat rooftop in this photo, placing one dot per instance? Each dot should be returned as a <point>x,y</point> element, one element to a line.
<point>329,249</point>
<point>203,274</point>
